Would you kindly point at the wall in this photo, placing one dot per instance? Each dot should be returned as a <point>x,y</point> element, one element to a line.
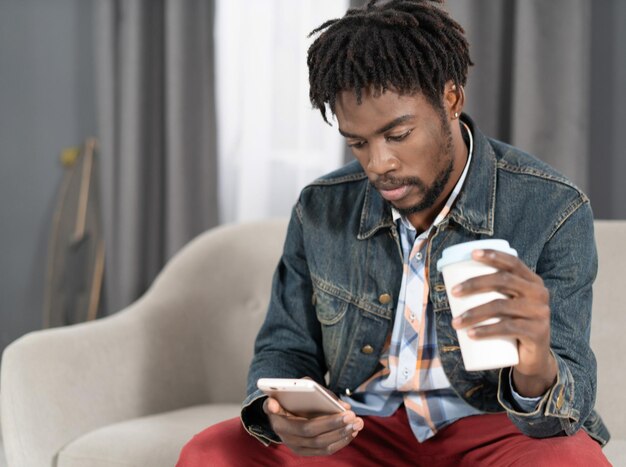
<point>46,104</point>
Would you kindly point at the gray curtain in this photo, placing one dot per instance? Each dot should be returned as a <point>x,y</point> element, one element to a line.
<point>549,78</point>
<point>157,134</point>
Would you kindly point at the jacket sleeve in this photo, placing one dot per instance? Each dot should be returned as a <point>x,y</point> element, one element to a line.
<point>289,343</point>
<point>568,266</point>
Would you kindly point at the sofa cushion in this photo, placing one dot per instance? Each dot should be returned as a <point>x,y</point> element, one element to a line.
<point>155,440</point>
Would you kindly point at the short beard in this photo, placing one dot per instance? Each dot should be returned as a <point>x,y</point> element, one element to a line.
<point>431,195</point>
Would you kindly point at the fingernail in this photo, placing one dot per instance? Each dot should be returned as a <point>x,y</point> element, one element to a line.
<point>479,253</point>
<point>456,322</point>
<point>457,288</point>
<point>471,332</point>
<point>349,428</point>
<point>348,418</point>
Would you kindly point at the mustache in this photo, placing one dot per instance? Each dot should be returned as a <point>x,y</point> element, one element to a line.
<point>391,183</point>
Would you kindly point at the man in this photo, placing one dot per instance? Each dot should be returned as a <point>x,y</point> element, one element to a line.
<point>358,304</point>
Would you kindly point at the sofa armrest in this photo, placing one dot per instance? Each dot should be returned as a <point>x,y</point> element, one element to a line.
<point>60,383</point>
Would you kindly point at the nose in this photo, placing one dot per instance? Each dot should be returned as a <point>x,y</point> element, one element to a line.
<point>380,160</point>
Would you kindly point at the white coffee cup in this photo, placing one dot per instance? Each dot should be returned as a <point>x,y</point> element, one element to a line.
<point>456,265</point>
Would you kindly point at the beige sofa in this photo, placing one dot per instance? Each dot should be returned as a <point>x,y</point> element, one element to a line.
<point>131,389</point>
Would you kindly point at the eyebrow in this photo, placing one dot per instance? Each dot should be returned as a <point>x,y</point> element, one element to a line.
<point>387,127</point>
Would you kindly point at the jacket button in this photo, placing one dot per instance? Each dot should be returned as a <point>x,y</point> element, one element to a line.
<point>367,349</point>
<point>384,298</point>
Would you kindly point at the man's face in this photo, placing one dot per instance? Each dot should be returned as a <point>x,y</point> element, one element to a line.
<point>403,143</point>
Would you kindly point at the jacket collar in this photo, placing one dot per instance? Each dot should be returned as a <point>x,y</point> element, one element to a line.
<point>375,215</point>
<point>474,208</point>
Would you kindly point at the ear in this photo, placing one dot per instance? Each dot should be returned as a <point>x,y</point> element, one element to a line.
<point>453,99</point>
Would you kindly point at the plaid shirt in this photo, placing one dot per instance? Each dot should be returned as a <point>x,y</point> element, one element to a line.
<point>411,369</point>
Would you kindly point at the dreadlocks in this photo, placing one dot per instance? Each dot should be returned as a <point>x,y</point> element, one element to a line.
<point>406,45</point>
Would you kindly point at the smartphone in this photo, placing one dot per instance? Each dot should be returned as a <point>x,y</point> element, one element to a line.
<point>303,397</point>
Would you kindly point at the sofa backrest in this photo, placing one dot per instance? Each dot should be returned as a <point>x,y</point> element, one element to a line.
<point>217,288</point>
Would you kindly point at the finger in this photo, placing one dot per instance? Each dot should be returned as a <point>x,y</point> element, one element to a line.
<point>529,334</point>
<point>298,427</point>
<point>503,261</point>
<point>505,282</point>
<point>272,407</point>
<point>327,443</point>
<point>503,309</point>
<point>520,329</point>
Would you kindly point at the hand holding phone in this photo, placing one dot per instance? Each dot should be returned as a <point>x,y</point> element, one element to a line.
<point>303,397</point>
<point>309,420</point>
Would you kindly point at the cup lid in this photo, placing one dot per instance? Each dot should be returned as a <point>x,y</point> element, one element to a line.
<point>463,251</point>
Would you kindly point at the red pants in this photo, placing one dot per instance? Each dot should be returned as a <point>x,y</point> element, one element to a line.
<point>481,440</point>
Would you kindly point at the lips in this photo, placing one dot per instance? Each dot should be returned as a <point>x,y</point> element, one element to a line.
<point>394,194</point>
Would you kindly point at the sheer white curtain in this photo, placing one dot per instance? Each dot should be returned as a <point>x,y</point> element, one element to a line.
<point>271,142</point>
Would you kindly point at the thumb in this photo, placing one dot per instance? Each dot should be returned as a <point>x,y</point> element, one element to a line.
<point>272,407</point>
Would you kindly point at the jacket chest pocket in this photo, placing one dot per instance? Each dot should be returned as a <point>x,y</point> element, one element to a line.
<point>332,312</point>
<point>329,309</point>
<point>352,334</point>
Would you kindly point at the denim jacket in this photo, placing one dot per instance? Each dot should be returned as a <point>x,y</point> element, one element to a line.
<point>330,313</point>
